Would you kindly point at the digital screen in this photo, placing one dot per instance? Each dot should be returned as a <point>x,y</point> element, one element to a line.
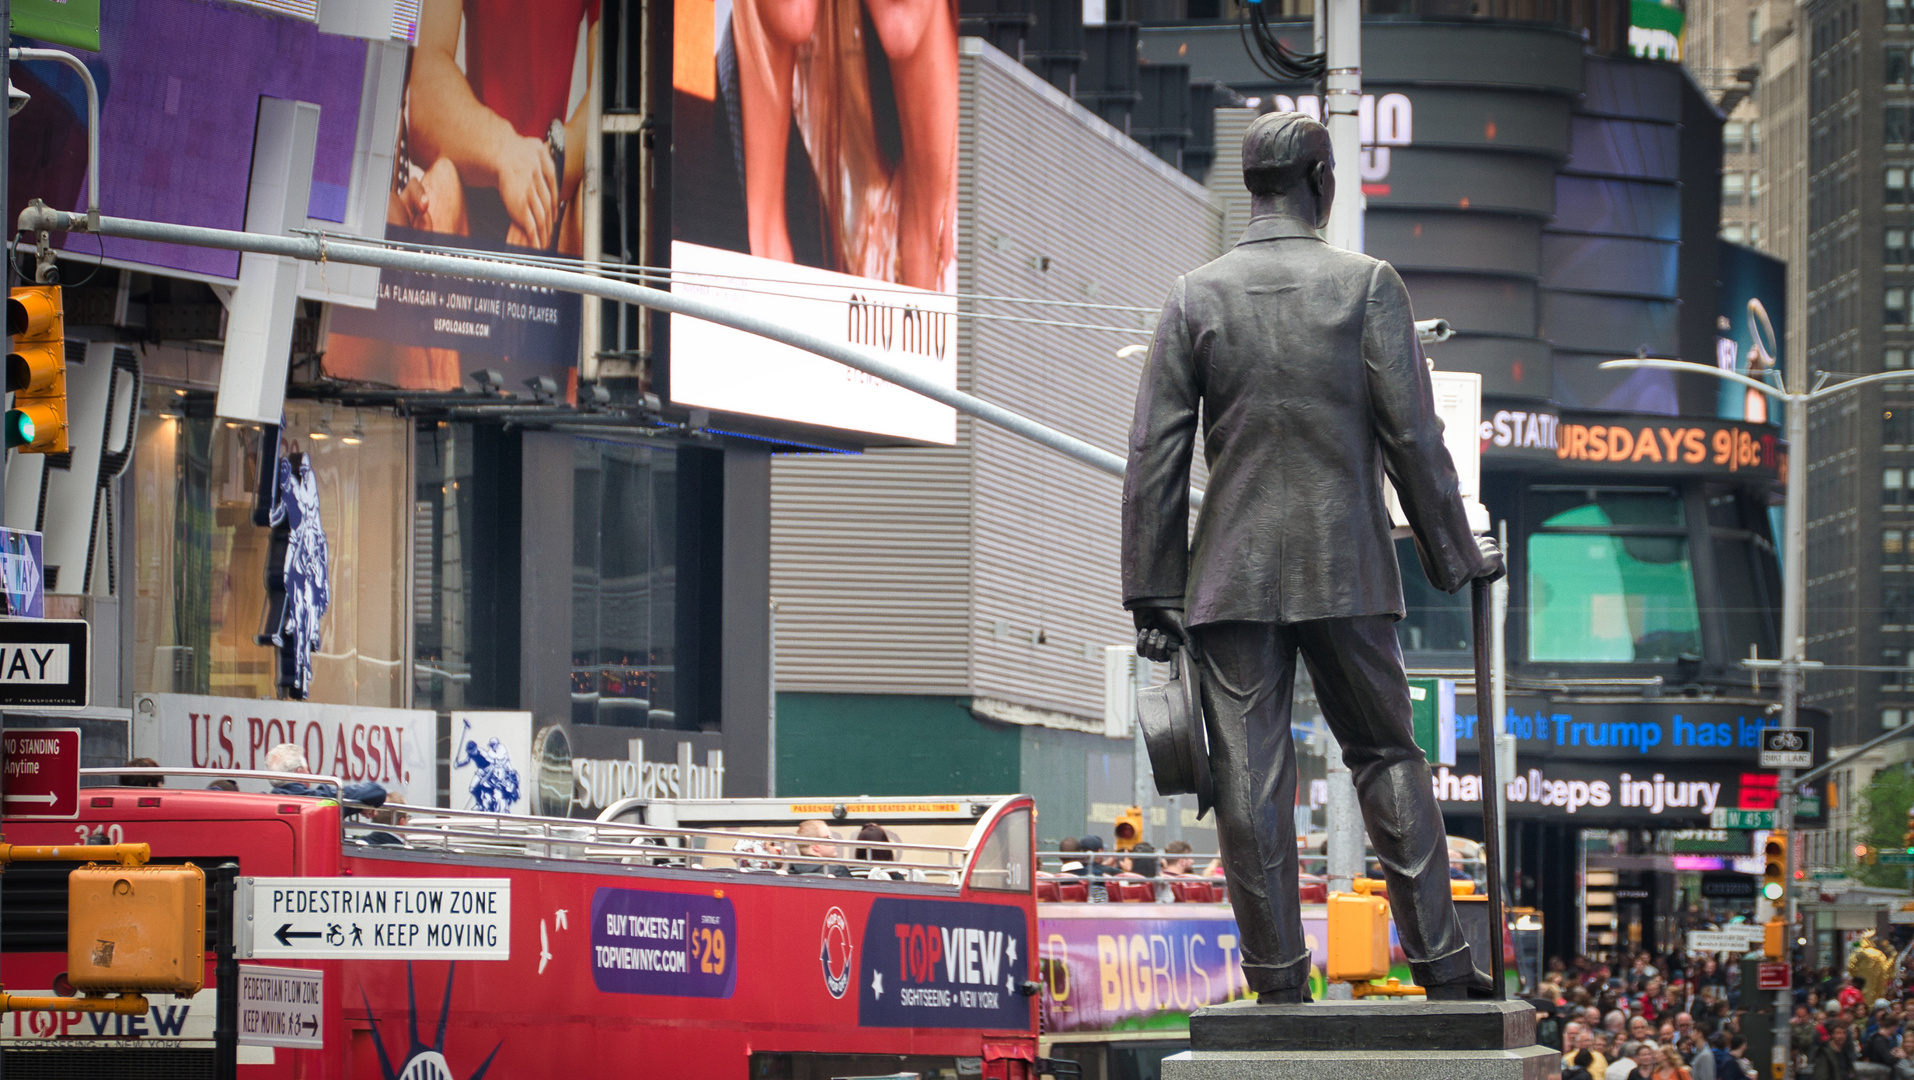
<point>490,156</point>
<point>176,122</point>
<point>1750,280</point>
<point>814,176</point>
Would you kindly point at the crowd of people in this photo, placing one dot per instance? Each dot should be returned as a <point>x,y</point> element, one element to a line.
<point>1681,1017</point>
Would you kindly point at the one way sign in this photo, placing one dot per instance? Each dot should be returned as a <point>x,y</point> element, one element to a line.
<point>44,663</point>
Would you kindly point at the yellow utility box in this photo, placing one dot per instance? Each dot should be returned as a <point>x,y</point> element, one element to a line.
<point>1358,936</point>
<point>136,928</point>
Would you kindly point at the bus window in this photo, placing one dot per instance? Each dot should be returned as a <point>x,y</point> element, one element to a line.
<point>1003,862</point>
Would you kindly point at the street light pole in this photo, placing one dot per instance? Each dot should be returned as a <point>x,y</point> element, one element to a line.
<point>1794,604</point>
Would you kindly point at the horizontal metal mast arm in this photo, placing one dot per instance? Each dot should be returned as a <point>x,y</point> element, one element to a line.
<point>324,248</point>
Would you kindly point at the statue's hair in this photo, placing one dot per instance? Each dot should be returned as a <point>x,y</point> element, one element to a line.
<point>1279,150</point>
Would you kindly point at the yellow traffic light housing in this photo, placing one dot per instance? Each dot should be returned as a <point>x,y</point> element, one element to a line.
<point>36,370</point>
<point>1129,829</point>
<point>1774,867</point>
<point>1867,854</point>
<point>1774,939</point>
<point>1358,934</point>
<point>136,928</point>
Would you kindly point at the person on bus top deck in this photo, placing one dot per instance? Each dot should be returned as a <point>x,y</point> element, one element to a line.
<point>142,781</point>
<point>288,758</point>
<point>817,830</point>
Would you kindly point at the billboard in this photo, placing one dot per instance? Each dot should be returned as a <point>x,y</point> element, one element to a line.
<point>814,177</point>
<point>490,156</point>
<point>176,126</point>
<point>1751,329</point>
<point>392,747</point>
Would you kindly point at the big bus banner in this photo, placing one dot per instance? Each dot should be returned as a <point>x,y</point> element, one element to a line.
<point>1118,967</point>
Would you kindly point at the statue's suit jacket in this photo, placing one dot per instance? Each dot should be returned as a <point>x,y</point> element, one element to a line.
<point>1302,359</point>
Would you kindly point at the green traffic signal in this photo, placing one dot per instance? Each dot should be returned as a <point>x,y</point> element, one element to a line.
<point>1772,890</point>
<point>19,428</point>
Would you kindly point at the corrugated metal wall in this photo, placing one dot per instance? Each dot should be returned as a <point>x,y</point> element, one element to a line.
<point>990,569</point>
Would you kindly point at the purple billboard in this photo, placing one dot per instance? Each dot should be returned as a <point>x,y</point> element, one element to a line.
<point>180,83</point>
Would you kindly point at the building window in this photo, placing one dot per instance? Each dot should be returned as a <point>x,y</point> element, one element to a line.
<point>201,576</point>
<point>1896,246</point>
<point>1892,491</point>
<point>1733,186</point>
<point>1891,718</point>
<point>1732,233</point>
<point>1894,359</point>
<point>625,586</point>
<point>1896,186</point>
<point>1894,307</point>
<point>1891,658</point>
<point>1898,71</point>
<point>1899,121</point>
<point>1436,622</point>
<point>1894,427</point>
<point>1897,12</point>
<point>1892,541</point>
<point>1894,605</point>
<point>1754,27</point>
<point>1609,577</point>
<point>1733,133</point>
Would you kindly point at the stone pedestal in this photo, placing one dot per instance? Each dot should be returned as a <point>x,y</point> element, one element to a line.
<point>1365,1040</point>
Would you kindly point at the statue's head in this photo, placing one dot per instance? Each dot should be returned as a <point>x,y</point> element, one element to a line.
<point>1287,159</point>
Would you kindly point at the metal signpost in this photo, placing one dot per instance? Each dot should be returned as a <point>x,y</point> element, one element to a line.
<point>375,918</point>
<point>282,1007</point>
<point>42,772</point>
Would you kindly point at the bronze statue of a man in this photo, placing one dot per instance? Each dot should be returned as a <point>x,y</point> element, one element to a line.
<point>1302,362</point>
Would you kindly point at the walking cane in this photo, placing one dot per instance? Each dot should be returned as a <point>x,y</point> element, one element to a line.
<point>1485,749</point>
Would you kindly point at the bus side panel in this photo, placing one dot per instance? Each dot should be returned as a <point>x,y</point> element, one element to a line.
<point>611,969</point>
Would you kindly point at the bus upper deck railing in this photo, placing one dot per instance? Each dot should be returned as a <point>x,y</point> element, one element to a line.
<point>402,826</point>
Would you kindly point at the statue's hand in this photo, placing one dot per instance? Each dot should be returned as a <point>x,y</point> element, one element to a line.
<point>1159,633</point>
<point>1492,565</point>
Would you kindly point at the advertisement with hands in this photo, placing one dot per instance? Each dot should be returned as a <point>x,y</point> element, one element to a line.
<point>490,156</point>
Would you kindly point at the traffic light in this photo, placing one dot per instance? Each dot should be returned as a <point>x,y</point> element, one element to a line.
<point>133,929</point>
<point>1774,943</point>
<point>36,370</point>
<point>1867,853</point>
<point>1358,934</point>
<point>1129,828</point>
<point>1774,866</point>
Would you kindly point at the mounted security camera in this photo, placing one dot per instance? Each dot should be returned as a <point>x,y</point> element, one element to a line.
<point>16,99</point>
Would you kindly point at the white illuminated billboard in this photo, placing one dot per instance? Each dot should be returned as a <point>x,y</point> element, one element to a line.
<point>814,181</point>
<point>716,367</point>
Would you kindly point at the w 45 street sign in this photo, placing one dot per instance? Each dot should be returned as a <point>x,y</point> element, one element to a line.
<point>1725,818</point>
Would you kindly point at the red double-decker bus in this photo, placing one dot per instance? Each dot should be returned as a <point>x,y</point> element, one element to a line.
<point>690,938</point>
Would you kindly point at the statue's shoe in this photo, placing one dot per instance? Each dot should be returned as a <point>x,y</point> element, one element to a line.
<point>1478,987</point>
<point>1296,996</point>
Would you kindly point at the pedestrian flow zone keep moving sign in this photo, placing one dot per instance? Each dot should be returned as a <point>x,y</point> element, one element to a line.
<point>375,918</point>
